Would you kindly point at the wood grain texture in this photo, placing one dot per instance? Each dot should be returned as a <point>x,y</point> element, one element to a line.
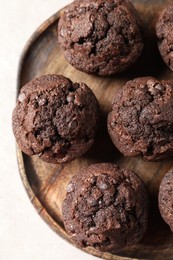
<point>46,183</point>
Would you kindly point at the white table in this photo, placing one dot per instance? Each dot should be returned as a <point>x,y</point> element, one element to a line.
<point>23,234</point>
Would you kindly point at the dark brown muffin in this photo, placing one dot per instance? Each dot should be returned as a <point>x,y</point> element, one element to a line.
<point>100,36</point>
<point>164,31</point>
<point>166,198</point>
<point>55,118</point>
<point>141,121</point>
<point>105,208</point>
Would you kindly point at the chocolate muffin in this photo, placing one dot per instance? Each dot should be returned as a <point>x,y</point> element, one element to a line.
<point>164,31</point>
<point>100,36</point>
<point>105,208</point>
<point>55,118</point>
<point>141,120</point>
<point>166,198</point>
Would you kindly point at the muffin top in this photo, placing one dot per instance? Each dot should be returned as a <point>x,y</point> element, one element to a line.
<point>164,31</point>
<point>105,208</point>
<point>55,118</point>
<point>141,120</point>
<point>100,36</point>
<point>166,198</point>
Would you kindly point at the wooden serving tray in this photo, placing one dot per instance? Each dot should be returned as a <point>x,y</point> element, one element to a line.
<point>46,183</point>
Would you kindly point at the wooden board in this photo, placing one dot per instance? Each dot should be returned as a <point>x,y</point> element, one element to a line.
<point>46,183</point>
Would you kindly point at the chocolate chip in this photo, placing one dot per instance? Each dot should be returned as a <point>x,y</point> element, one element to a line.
<point>70,187</point>
<point>70,98</point>
<point>22,97</point>
<point>73,125</point>
<point>42,102</point>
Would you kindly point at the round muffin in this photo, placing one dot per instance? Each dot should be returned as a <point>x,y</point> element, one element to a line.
<point>141,120</point>
<point>55,118</point>
<point>164,31</point>
<point>166,198</point>
<point>105,208</point>
<point>100,36</point>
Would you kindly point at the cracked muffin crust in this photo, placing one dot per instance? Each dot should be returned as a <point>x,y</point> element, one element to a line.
<point>105,208</point>
<point>141,120</point>
<point>100,36</point>
<point>164,31</point>
<point>55,118</point>
<point>166,198</point>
